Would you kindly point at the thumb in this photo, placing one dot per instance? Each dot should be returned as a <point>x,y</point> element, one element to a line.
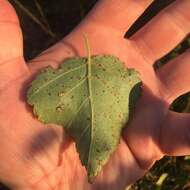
<point>11,45</point>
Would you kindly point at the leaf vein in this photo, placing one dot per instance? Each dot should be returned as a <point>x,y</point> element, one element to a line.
<point>83,133</point>
<point>76,113</point>
<point>74,87</point>
<point>54,79</point>
<point>89,80</point>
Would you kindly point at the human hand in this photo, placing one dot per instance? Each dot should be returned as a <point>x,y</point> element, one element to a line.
<point>30,151</point>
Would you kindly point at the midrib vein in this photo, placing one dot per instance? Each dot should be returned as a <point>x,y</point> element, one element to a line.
<point>89,80</point>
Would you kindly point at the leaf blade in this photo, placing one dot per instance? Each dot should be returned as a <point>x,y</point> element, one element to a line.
<point>93,104</point>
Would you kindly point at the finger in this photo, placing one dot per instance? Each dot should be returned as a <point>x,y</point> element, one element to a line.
<point>175,134</point>
<point>122,13</point>
<point>10,33</point>
<point>164,31</point>
<point>118,14</point>
<point>175,76</point>
<point>11,49</point>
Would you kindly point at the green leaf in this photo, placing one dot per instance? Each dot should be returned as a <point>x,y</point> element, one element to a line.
<point>90,97</point>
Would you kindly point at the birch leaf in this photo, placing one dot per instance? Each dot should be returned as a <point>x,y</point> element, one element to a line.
<point>91,98</point>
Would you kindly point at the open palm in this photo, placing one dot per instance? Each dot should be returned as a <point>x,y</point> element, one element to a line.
<point>43,157</point>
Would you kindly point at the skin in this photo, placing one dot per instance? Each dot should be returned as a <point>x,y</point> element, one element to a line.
<point>37,156</point>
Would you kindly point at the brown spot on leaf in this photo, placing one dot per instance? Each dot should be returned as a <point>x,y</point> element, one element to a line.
<point>60,108</point>
<point>61,94</point>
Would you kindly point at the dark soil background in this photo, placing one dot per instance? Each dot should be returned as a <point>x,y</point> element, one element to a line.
<point>44,22</point>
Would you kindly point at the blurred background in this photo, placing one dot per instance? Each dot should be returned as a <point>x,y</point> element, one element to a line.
<point>44,22</point>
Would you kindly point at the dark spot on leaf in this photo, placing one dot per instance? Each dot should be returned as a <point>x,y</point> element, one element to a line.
<point>106,147</point>
<point>97,76</point>
<point>97,150</point>
<point>61,94</point>
<point>60,108</point>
